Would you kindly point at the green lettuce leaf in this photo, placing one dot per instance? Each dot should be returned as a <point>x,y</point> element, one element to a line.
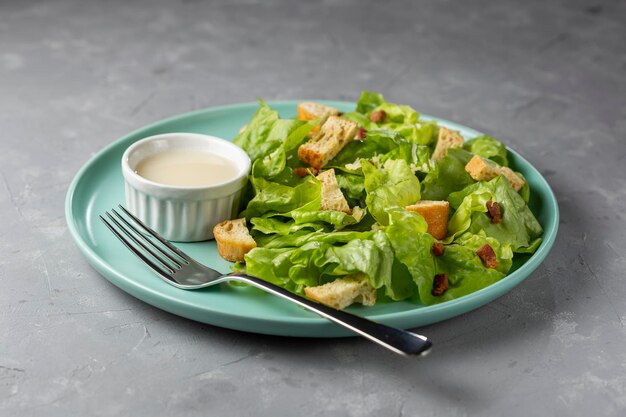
<point>400,118</point>
<point>398,113</point>
<point>421,133</point>
<point>488,147</point>
<point>504,253</point>
<point>412,246</point>
<point>360,119</point>
<point>524,192</point>
<point>352,187</point>
<point>253,138</point>
<point>372,257</point>
<point>369,101</point>
<point>273,197</point>
<point>518,228</point>
<point>337,219</point>
<point>272,225</point>
<point>392,186</point>
<point>383,145</point>
<point>377,142</point>
<point>271,165</point>
<point>300,238</point>
<point>317,259</point>
<point>466,274</point>
<point>448,176</point>
<point>270,141</point>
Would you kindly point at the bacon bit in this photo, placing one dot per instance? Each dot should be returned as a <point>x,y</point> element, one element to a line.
<point>438,249</point>
<point>304,171</point>
<point>378,116</point>
<point>494,211</point>
<point>340,113</point>
<point>360,134</point>
<point>440,285</point>
<point>488,256</point>
<point>301,172</point>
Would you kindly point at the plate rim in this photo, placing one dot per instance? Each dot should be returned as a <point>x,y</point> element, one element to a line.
<point>465,303</point>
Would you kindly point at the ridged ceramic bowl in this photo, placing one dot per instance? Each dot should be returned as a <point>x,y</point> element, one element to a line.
<point>183,213</point>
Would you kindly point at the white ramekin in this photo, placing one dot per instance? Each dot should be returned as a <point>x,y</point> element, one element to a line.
<point>183,214</point>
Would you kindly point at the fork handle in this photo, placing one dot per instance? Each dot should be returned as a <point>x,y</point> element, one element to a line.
<point>397,340</point>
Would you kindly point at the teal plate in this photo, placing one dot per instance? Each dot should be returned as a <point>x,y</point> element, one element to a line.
<point>99,186</point>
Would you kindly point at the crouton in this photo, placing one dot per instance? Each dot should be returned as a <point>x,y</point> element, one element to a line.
<point>436,215</point>
<point>481,169</point>
<point>342,292</point>
<point>309,110</point>
<point>515,180</point>
<point>328,142</point>
<point>332,197</point>
<point>233,239</point>
<point>447,139</point>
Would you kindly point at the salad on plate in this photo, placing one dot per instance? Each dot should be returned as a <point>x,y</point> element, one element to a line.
<point>376,205</point>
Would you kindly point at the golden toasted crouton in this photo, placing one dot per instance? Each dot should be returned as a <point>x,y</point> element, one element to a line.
<point>436,215</point>
<point>309,110</point>
<point>515,180</point>
<point>332,137</point>
<point>447,139</point>
<point>332,197</point>
<point>342,292</point>
<point>233,239</point>
<point>481,169</point>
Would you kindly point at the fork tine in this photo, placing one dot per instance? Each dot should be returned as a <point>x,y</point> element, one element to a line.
<point>129,233</point>
<point>136,251</point>
<point>156,235</point>
<point>175,261</point>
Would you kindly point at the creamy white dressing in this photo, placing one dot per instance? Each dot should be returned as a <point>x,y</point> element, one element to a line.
<point>187,168</point>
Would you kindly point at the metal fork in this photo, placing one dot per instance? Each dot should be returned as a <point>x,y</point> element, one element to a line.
<point>178,269</point>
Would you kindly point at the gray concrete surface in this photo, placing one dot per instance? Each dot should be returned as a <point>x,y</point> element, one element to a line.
<point>548,78</point>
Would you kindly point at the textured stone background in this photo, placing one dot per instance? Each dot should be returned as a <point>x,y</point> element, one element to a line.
<point>548,78</point>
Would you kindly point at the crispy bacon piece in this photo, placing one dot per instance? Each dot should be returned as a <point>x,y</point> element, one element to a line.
<point>493,208</point>
<point>302,171</point>
<point>378,116</point>
<point>488,256</point>
<point>440,284</point>
<point>360,134</point>
<point>438,249</point>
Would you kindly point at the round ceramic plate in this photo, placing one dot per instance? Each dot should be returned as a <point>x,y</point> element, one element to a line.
<point>99,186</point>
